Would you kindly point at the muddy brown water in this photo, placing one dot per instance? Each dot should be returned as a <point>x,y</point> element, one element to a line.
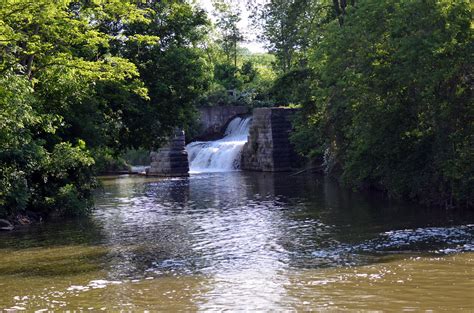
<point>241,241</point>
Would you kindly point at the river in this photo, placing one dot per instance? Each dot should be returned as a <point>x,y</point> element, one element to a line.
<point>241,241</point>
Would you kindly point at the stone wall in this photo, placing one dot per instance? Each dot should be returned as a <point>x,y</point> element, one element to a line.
<point>213,120</point>
<point>171,160</point>
<point>268,147</point>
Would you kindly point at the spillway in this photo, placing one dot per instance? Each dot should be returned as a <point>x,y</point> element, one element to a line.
<point>221,155</point>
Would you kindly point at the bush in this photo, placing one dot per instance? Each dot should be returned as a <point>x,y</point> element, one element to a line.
<point>31,175</point>
<point>107,161</point>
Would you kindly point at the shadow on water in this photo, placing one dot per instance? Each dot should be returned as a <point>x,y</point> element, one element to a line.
<point>56,232</point>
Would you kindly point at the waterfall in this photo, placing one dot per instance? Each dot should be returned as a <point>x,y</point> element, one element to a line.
<point>221,155</point>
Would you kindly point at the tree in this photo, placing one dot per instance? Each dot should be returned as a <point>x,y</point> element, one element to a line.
<point>290,27</point>
<point>391,104</point>
<point>228,17</point>
<point>175,71</point>
<point>53,55</point>
<point>33,175</point>
<point>248,72</point>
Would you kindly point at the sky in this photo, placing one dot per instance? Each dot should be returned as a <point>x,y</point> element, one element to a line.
<point>252,44</point>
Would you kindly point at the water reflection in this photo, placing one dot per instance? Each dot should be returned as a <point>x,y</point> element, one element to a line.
<point>222,240</point>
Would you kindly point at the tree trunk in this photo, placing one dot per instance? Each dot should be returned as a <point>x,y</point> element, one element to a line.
<point>31,57</point>
<point>235,53</point>
<point>29,66</point>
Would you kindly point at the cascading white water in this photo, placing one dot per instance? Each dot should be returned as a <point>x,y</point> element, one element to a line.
<point>221,155</point>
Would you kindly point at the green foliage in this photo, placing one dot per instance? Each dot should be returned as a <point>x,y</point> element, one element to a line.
<point>137,156</point>
<point>228,16</point>
<point>292,87</point>
<point>174,70</point>
<point>107,161</point>
<point>68,202</point>
<point>248,84</point>
<point>248,72</point>
<point>82,81</point>
<point>19,152</point>
<point>391,99</point>
<point>226,75</point>
<point>64,183</point>
<point>239,77</point>
<point>31,173</point>
<point>291,27</point>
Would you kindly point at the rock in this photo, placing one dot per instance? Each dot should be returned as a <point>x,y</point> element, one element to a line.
<point>6,225</point>
<point>171,160</point>
<point>269,147</point>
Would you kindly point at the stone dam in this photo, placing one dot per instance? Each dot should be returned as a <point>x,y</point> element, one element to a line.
<point>231,138</point>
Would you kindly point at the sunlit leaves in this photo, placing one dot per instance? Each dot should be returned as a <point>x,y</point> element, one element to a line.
<point>41,34</point>
<point>53,55</point>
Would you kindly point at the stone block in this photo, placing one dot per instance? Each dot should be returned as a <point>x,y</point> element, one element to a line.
<point>172,159</point>
<point>268,147</point>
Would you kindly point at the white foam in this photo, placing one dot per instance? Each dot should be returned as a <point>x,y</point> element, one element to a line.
<point>221,155</point>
